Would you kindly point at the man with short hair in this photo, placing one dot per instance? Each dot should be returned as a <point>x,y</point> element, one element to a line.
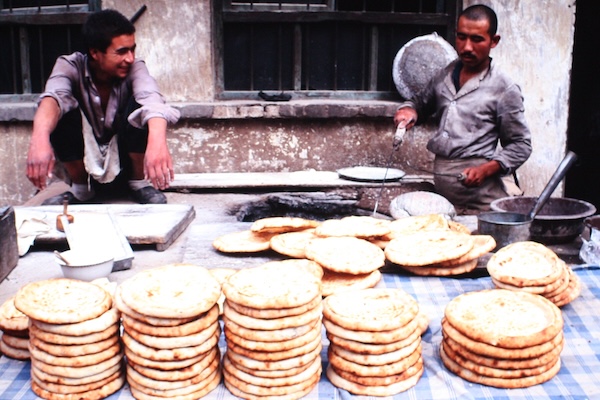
<point>477,107</point>
<point>103,117</point>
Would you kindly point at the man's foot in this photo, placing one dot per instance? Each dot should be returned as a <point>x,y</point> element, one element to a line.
<point>58,200</point>
<point>149,195</point>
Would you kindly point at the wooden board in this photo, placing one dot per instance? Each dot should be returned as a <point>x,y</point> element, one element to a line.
<point>156,224</point>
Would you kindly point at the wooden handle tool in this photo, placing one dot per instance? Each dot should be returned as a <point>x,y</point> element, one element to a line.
<point>59,221</point>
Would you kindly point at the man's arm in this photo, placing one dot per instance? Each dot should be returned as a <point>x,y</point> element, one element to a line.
<point>40,157</point>
<point>158,165</point>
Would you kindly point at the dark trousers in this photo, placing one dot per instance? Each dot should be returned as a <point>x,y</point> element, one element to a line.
<point>67,137</point>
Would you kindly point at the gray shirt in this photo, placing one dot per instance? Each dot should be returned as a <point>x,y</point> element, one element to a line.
<point>487,110</point>
<point>71,85</point>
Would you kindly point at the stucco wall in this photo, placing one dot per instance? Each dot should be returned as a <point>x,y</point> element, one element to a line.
<point>175,39</point>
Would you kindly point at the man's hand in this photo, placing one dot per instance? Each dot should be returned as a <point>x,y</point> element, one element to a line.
<point>474,176</point>
<point>40,162</point>
<point>406,117</point>
<point>158,165</point>
<point>40,157</point>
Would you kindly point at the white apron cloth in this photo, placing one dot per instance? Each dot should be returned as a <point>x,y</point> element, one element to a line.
<point>101,160</point>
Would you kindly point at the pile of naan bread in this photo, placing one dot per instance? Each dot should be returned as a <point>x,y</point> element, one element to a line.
<point>502,338</point>
<point>272,316</point>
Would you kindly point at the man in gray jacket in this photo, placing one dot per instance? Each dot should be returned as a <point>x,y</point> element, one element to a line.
<point>477,107</point>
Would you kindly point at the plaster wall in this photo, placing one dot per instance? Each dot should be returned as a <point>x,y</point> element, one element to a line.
<point>175,39</point>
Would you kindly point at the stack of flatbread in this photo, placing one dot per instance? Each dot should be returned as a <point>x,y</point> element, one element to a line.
<point>272,322</point>
<point>375,341</point>
<point>430,245</point>
<point>258,237</point>
<point>534,268</point>
<point>349,251</point>
<point>73,339</point>
<point>171,331</point>
<point>502,338</point>
<point>14,325</point>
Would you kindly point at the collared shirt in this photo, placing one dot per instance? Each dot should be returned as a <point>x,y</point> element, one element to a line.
<point>71,85</point>
<point>486,111</point>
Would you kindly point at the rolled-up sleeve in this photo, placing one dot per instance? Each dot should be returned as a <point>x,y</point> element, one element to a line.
<point>60,84</point>
<point>147,95</point>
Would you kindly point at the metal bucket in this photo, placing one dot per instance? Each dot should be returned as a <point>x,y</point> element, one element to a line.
<point>504,227</point>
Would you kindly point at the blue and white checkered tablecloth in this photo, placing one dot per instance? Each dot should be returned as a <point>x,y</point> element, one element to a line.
<point>578,378</point>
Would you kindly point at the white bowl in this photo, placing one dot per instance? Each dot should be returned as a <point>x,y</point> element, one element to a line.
<point>85,266</point>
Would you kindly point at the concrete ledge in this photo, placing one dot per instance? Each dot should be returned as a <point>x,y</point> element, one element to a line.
<point>281,180</point>
<point>246,109</point>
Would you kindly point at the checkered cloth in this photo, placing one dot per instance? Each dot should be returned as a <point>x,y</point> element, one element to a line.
<point>579,376</point>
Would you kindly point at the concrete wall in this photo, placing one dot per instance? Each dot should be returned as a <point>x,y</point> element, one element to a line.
<point>175,39</point>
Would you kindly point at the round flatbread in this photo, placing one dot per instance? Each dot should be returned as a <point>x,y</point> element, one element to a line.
<point>371,309</point>
<point>153,321</point>
<point>74,349</point>
<point>505,318</point>
<point>232,384</point>
<point>525,264</point>
<point>373,337</point>
<point>260,365</point>
<point>274,323</point>
<point>95,394</point>
<point>427,247</point>
<point>377,359</point>
<point>505,373</point>
<point>57,339</point>
<point>292,244</point>
<point>180,353</point>
<point>98,324</point>
<point>349,255</point>
<point>12,352</point>
<point>282,373</point>
<point>282,224</point>
<point>499,352</point>
<point>270,335</point>
<point>243,242</point>
<point>275,355</point>
<point>175,342</point>
<point>417,223</point>
<point>270,286</point>
<point>75,361</point>
<point>482,244</point>
<point>171,291</point>
<point>162,365</point>
<point>15,341</point>
<point>61,380</point>
<point>394,368</point>
<point>354,226</point>
<point>181,374</point>
<point>62,301</point>
<point>511,364</point>
<point>213,382</point>
<point>12,319</point>
<point>80,389</point>
<point>256,390</point>
<point>282,345</point>
<point>336,282</point>
<point>308,373</point>
<point>188,328</point>
<point>303,264</point>
<point>273,313</point>
<point>514,383</point>
<point>375,390</point>
<point>77,372</point>
<point>442,271</point>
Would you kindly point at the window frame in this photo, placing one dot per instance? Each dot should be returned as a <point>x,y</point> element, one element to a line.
<point>40,15</point>
<point>221,16</point>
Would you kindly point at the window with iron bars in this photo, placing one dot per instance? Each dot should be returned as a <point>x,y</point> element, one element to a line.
<point>33,33</point>
<point>322,48</point>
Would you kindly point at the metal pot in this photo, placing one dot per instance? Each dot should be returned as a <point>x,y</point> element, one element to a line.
<point>561,220</point>
<point>509,227</point>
